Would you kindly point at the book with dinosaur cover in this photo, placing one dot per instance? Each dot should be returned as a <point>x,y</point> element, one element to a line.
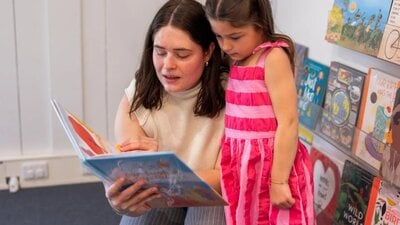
<point>179,186</point>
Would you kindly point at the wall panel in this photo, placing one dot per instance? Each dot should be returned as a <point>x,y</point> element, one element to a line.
<point>10,136</point>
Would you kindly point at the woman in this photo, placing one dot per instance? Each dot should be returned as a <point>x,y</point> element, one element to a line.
<point>177,103</point>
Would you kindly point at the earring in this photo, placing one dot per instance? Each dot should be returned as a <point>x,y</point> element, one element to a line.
<point>206,63</point>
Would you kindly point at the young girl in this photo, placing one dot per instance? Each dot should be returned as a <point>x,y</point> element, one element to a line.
<point>266,173</point>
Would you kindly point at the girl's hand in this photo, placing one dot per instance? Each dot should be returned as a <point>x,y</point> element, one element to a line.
<point>131,201</point>
<point>139,143</point>
<point>281,196</point>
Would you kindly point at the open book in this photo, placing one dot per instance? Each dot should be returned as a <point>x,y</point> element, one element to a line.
<point>178,184</point>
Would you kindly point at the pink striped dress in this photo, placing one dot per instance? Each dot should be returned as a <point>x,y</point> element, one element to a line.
<point>247,152</point>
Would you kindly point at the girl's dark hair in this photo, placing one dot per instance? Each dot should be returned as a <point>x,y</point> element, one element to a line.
<point>243,12</point>
<point>188,16</point>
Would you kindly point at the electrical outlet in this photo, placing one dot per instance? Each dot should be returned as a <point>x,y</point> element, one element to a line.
<point>34,170</point>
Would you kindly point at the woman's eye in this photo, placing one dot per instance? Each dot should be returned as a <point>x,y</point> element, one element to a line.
<point>182,56</point>
<point>160,52</point>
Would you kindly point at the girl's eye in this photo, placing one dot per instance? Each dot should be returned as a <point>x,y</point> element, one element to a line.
<point>235,38</point>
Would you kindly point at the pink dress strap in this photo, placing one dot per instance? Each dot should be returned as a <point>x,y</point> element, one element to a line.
<point>268,45</point>
<point>271,45</point>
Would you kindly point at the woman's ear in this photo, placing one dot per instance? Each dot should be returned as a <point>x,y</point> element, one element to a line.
<point>209,52</point>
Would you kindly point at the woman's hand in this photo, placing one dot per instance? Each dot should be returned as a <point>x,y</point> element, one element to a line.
<point>143,143</point>
<point>131,201</point>
<point>281,196</point>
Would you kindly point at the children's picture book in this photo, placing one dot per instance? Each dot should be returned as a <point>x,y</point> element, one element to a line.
<point>390,44</point>
<point>311,87</point>
<point>342,103</point>
<point>354,194</point>
<point>358,24</point>
<point>301,52</point>
<point>384,204</point>
<point>374,118</point>
<point>178,184</point>
<point>390,165</point>
<point>326,185</point>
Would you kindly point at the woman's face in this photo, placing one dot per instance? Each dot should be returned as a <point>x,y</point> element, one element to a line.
<point>178,61</point>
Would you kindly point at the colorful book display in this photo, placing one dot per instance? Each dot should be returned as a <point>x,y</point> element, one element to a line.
<point>374,118</point>
<point>342,103</point>
<point>311,87</point>
<point>390,166</point>
<point>358,24</point>
<point>326,185</point>
<point>384,204</point>
<point>355,188</point>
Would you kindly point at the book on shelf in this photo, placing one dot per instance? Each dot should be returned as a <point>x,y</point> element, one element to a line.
<point>342,103</point>
<point>358,25</point>
<point>326,185</point>
<point>354,195</point>
<point>390,45</point>
<point>179,186</point>
<point>371,138</point>
<point>384,204</point>
<point>301,53</point>
<point>390,165</point>
<point>311,87</point>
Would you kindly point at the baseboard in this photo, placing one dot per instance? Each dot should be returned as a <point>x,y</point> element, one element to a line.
<point>61,170</point>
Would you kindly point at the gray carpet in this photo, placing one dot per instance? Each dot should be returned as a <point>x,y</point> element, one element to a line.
<point>82,204</point>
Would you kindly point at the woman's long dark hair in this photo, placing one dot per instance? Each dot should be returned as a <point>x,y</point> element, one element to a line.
<point>188,16</point>
<point>243,12</point>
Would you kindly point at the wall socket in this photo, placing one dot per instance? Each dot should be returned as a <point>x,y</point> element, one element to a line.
<point>34,170</point>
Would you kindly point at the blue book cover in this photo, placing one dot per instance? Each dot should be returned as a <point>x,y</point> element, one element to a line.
<point>179,186</point>
<point>342,104</point>
<point>311,88</point>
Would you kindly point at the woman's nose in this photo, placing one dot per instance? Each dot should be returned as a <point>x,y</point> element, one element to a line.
<point>169,62</point>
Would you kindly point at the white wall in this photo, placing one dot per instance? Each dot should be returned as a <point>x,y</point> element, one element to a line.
<point>306,21</point>
<point>83,53</point>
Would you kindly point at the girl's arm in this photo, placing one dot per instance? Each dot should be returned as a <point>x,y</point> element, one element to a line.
<point>128,132</point>
<point>281,86</point>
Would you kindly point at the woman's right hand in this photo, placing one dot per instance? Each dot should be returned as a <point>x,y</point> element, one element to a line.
<point>132,201</point>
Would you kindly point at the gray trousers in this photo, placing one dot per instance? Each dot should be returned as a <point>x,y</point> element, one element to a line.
<point>179,216</point>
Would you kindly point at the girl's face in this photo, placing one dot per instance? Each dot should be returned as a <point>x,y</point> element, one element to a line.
<point>179,62</point>
<point>237,42</point>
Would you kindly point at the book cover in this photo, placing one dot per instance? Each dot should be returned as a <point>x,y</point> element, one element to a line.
<point>358,24</point>
<point>179,186</point>
<point>326,185</point>
<point>374,119</point>
<point>301,52</point>
<point>342,103</point>
<point>311,87</point>
<point>384,204</point>
<point>390,44</point>
<point>354,193</point>
<point>390,165</point>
